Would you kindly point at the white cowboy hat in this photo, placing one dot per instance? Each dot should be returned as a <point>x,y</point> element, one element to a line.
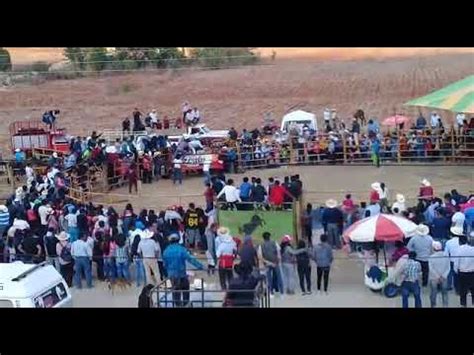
<point>19,191</point>
<point>17,150</point>
<point>331,203</point>
<point>62,236</point>
<point>3,208</point>
<point>223,231</point>
<point>457,230</point>
<point>400,198</point>
<point>425,182</point>
<point>199,284</point>
<point>111,149</point>
<point>55,155</point>
<point>375,186</point>
<point>422,229</point>
<point>437,246</point>
<point>156,154</point>
<point>174,236</point>
<point>147,234</point>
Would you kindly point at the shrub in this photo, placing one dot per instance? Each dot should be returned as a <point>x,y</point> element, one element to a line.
<point>5,60</point>
<point>223,57</point>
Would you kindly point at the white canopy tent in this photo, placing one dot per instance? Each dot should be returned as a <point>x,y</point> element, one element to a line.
<point>299,117</point>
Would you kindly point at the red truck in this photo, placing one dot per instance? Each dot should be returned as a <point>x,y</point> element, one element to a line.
<point>28,135</point>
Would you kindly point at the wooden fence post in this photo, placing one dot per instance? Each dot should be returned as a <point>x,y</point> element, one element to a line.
<point>344,147</point>
<point>452,145</point>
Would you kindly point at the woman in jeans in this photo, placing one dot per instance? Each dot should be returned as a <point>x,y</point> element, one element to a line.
<point>304,267</point>
<point>121,258</point>
<point>288,264</point>
<point>323,257</point>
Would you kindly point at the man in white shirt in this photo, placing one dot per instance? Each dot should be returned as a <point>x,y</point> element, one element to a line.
<point>434,119</point>
<point>464,265</point>
<point>154,119</point>
<point>460,117</point>
<point>177,172</point>
<point>44,211</point>
<point>232,194</point>
<point>458,218</point>
<point>81,252</point>
<point>450,249</point>
<point>30,173</point>
<point>439,269</point>
<point>206,169</point>
<point>150,251</point>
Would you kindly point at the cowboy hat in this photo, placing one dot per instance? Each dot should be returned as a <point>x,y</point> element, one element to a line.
<point>425,182</point>
<point>286,238</point>
<point>400,198</point>
<point>199,284</point>
<point>147,234</point>
<point>437,246</point>
<point>457,230</point>
<point>17,150</point>
<point>156,154</point>
<point>223,231</point>
<point>331,203</point>
<point>62,236</point>
<point>375,186</point>
<point>3,208</point>
<point>55,155</point>
<point>174,236</point>
<point>422,229</point>
<point>111,149</point>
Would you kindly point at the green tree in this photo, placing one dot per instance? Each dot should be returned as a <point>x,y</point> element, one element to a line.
<point>96,58</point>
<point>5,60</point>
<point>76,56</point>
<point>223,57</point>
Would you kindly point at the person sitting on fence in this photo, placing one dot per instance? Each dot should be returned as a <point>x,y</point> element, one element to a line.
<point>232,195</point>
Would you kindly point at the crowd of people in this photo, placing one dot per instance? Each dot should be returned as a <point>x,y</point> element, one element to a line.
<point>40,222</point>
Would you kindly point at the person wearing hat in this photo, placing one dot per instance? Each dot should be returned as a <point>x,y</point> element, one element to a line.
<point>332,220</point>
<point>66,263</point>
<point>399,204</point>
<point>150,252</point>
<point>410,280</point>
<point>226,251</point>
<point>438,275</point>
<point>426,190</point>
<point>440,226</point>
<point>422,244</point>
<point>464,267</point>
<point>175,257</point>
<point>450,250</point>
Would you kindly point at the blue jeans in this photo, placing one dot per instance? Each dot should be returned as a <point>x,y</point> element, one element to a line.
<point>177,176</point>
<point>139,271</point>
<point>82,264</point>
<point>109,269</point>
<point>443,285</point>
<point>411,287</point>
<point>73,234</point>
<point>453,279</point>
<point>274,279</point>
<point>207,177</point>
<point>122,270</point>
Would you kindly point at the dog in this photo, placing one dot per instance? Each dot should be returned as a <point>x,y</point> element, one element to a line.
<point>118,284</point>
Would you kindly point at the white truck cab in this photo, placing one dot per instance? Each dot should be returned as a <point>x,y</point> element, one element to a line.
<point>201,131</point>
<point>32,286</point>
<point>299,118</point>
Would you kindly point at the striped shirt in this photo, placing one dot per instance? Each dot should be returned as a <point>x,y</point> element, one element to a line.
<point>412,271</point>
<point>4,219</point>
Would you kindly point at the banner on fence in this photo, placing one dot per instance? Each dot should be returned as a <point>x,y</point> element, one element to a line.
<point>254,223</point>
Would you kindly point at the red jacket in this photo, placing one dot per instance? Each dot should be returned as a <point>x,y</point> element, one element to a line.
<point>374,196</point>
<point>277,195</point>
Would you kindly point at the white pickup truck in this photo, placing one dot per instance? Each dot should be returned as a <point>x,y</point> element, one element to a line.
<point>203,133</point>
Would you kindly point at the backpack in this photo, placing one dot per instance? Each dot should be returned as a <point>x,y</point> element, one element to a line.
<point>66,253</point>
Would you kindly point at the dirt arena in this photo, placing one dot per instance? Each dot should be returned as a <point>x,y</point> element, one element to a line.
<point>378,80</point>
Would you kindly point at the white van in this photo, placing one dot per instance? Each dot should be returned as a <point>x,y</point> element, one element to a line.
<point>32,286</point>
<point>299,118</point>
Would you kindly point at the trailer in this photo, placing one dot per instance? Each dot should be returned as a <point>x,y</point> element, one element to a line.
<point>30,135</point>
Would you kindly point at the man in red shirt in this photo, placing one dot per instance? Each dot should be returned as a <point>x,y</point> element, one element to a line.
<point>374,194</point>
<point>277,195</point>
<point>426,190</point>
<point>209,196</point>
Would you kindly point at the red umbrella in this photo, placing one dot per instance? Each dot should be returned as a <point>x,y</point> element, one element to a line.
<point>395,120</point>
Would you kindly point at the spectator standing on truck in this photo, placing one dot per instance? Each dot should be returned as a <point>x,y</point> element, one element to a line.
<point>185,109</point>
<point>137,122</point>
<point>126,125</point>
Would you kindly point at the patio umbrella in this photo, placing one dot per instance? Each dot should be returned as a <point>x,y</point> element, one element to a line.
<point>383,228</point>
<point>395,120</point>
<point>456,97</point>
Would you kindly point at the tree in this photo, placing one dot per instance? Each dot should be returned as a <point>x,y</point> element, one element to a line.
<point>223,57</point>
<point>76,56</point>
<point>96,58</point>
<point>5,60</point>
